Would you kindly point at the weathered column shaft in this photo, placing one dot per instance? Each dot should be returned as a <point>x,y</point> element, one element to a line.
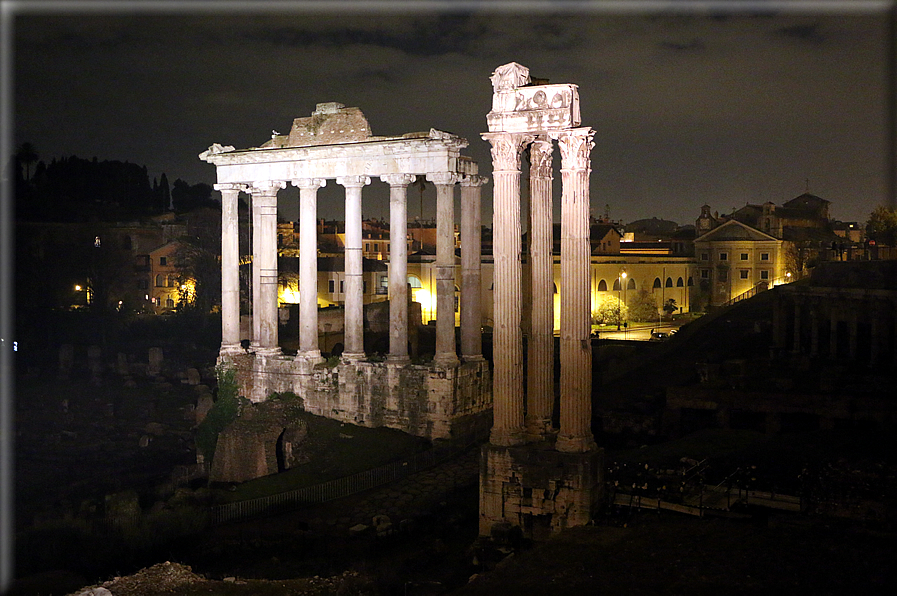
<point>471,258</point>
<point>445,267</point>
<point>308,267</point>
<point>230,268</point>
<point>264,203</point>
<point>507,340</point>
<point>575,434</point>
<point>256,274</point>
<point>398,265</point>
<point>354,321</point>
<point>540,353</point>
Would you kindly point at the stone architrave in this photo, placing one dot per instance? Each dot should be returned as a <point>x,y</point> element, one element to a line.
<point>354,322</point>
<point>507,342</point>
<point>230,268</point>
<point>445,267</point>
<point>471,278</point>
<point>540,353</point>
<point>398,266</point>
<point>575,435</point>
<point>308,268</point>
<point>264,249</point>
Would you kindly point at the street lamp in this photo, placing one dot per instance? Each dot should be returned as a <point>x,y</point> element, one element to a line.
<point>620,281</point>
<point>623,284</point>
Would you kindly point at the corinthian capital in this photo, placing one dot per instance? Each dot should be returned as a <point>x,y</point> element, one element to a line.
<point>310,183</point>
<point>474,180</point>
<point>398,179</point>
<point>576,146</point>
<point>540,154</point>
<point>506,149</point>
<point>353,181</point>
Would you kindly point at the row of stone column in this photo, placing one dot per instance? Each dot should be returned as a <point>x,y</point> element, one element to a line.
<point>264,268</point>
<point>510,426</point>
<point>834,311</point>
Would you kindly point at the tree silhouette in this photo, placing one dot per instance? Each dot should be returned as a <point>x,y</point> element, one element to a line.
<point>26,155</point>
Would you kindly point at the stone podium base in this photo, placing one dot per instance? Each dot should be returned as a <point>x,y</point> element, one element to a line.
<point>538,489</point>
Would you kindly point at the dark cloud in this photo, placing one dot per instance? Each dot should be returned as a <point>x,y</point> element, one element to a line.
<point>695,45</point>
<point>809,33</point>
<point>688,109</point>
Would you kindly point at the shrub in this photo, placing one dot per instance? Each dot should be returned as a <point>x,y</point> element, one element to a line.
<point>224,411</point>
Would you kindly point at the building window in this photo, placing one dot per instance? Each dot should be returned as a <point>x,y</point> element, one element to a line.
<point>163,261</point>
<point>705,256</point>
<point>160,281</point>
<point>169,302</point>
<point>414,282</point>
<point>364,287</point>
<point>602,286</point>
<point>331,286</point>
<point>342,286</point>
<point>691,282</point>
<point>669,282</point>
<point>764,256</point>
<point>705,273</point>
<point>656,282</point>
<point>631,284</point>
<point>679,283</point>
<point>723,256</point>
<point>367,247</point>
<point>743,273</point>
<point>617,285</point>
<point>744,256</point>
<point>723,275</point>
<point>764,274</point>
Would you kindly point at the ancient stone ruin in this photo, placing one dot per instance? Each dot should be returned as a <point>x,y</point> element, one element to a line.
<point>446,398</point>
<point>533,476</point>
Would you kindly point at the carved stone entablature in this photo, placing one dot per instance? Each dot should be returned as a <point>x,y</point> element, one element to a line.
<point>535,109</point>
<point>215,149</point>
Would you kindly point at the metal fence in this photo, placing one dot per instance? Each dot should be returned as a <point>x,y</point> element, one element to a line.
<point>334,489</point>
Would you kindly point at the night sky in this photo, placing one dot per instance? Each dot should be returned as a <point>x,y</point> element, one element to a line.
<point>692,102</point>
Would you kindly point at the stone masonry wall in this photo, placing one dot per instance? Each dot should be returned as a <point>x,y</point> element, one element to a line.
<point>538,489</point>
<point>427,401</point>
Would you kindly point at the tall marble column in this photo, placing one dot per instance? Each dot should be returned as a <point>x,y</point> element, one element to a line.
<point>354,321</point>
<point>230,268</point>
<point>540,355</point>
<point>471,258</point>
<point>264,265</point>
<point>445,267</point>
<point>507,339</point>
<point>308,268</point>
<point>575,434</point>
<point>398,265</point>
